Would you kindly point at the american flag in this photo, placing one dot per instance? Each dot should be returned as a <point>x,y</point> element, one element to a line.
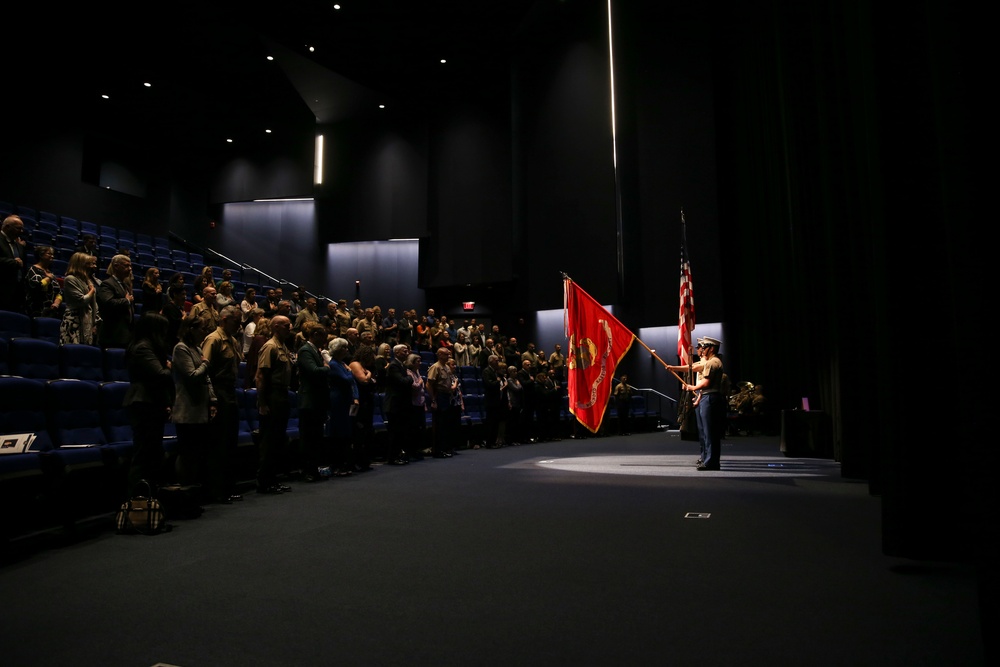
<point>685,319</point>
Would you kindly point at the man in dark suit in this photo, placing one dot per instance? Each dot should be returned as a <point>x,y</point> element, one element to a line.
<point>493,383</point>
<point>397,403</point>
<point>114,300</point>
<point>314,400</point>
<point>13,265</point>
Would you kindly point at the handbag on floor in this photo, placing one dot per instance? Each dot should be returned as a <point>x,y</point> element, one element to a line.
<point>142,513</point>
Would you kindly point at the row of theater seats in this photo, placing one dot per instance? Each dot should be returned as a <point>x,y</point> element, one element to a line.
<point>77,465</point>
<point>65,234</point>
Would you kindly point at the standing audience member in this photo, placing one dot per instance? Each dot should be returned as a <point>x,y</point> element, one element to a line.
<point>493,383</point>
<point>422,335</point>
<point>405,328</point>
<point>205,279</point>
<point>271,303</point>
<point>514,425</point>
<point>249,303</point>
<point>148,399</point>
<point>205,313</point>
<point>224,295</point>
<point>547,406</point>
<point>261,334</point>
<point>528,402</point>
<point>314,400</point>
<point>418,402</point>
<point>194,406</point>
<point>250,328</point>
<point>557,365</point>
<point>273,379</point>
<point>396,405</point>
<point>88,245</point>
<point>81,318</point>
<point>177,280</point>
<point>390,328</point>
<point>152,291</point>
<point>173,310</point>
<point>223,351</point>
<point>13,265</point>
<point>362,366</point>
<point>446,418</point>
<point>115,299</point>
<point>623,405</point>
<point>44,290</point>
<point>458,398</point>
<point>343,317</point>
<point>461,351</point>
<point>307,314</point>
<point>475,350</point>
<point>343,406</point>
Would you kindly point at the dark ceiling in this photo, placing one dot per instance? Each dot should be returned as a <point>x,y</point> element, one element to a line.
<point>210,77</point>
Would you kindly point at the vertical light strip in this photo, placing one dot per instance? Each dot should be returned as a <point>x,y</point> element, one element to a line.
<point>318,171</point>
<point>611,60</point>
<point>619,227</point>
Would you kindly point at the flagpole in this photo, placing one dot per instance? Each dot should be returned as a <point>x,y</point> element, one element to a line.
<point>655,356</point>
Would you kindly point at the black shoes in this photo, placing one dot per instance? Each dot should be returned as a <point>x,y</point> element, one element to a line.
<point>705,467</point>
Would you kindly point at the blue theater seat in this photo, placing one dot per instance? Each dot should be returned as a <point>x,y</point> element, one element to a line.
<point>13,325</point>
<point>47,328</point>
<point>81,362</point>
<point>114,365</point>
<point>33,358</point>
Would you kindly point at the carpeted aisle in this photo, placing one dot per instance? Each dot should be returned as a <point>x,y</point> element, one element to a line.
<point>605,551</point>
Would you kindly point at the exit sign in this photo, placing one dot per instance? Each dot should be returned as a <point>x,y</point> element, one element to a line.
<point>468,305</point>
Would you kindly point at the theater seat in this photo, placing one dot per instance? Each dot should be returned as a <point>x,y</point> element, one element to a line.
<point>114,365</point>
<point>23,401</point>
<point>14,325</point>
<point>81,362</point>
<point>33,358</point>
<point>47,328</point>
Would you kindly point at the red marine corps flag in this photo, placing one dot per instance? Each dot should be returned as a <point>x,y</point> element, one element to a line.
<point>597,342</point>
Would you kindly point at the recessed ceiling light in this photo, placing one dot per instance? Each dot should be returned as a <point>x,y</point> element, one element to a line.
<point>106,97</point>
<point>148,85</point>
<point>270,57</point>
<point>229,141</point>
<point>381,106</point>
<point>443,60</point>
<point>268,131</point>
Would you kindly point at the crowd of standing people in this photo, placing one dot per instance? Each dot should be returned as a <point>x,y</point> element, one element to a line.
<point>185,348</point>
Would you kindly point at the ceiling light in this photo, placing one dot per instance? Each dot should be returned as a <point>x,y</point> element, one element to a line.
<point>148,85</point>
<point>267,131</point>
<point>443,61</point>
